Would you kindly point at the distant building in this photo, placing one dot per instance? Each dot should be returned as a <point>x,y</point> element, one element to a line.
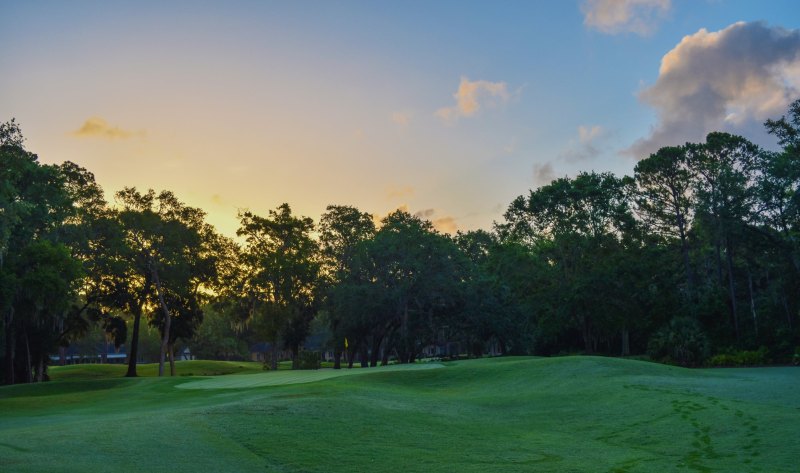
<point>99,353</point>
<point>104,353</point>
<point>260,351</point>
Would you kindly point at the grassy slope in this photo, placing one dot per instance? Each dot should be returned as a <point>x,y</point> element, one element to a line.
<point>295,377</point>
<point>510,414</point>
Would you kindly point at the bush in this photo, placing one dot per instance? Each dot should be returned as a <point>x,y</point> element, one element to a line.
<point>682,342</point>
<point>267,364</point>
<point>740,358</point>
<point>308,360</point>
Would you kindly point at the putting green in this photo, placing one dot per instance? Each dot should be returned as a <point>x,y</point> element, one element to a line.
<point>278,378</point>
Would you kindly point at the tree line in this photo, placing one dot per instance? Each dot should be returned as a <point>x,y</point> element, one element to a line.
<point>694,255</point>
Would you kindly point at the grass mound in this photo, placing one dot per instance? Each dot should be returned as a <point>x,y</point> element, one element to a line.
<point>279,378</point>
<point>569,414</point>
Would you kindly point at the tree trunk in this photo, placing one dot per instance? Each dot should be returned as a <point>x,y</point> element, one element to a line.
<point>684,249</point>
<point>718,250</point>
<point>167,321</point>
<point>752,301</point>
<point>172,359</point>
<point>587,337</point>
<point>10,348</point>
<point>40,370</point>
<point>793,256</point>
<point>29,370</point>
<point>134,348</point>
<point>788,313</point>
<point>731,287</point>
<point>62,355</point>
<point>688,268</point>
<point>404,335</point>
<point>626,342</point>
<point>273,362</point>
<point>376,350</point>
<point>337,358</point>
<point>363,356</point>
<point>386,344</point>
<point>295,349</point>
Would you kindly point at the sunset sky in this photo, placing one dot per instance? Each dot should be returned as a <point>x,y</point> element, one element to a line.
<point>449,109</point>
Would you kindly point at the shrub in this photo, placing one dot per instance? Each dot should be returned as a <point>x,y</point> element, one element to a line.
<point>308,360</point>
<point>267,365</point>
<point>682,342</point>
<point>740,358</point>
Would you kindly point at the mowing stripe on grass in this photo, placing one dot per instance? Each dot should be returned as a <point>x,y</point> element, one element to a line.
<point>277,378</point>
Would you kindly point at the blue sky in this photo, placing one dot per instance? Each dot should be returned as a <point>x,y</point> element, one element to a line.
<point>449,109</point>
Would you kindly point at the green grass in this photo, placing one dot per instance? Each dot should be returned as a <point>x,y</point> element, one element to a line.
<point>570,414</point>
<point>295,377</point>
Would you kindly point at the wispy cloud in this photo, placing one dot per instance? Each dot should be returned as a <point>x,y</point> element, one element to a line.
<point>401,119</point>
<point>377,218</point>
<point>587,145</point>
<point>96,127</point>
<point>728,80</point>
<point>446,224</point>
<point>624,16</point>
<point>471,96</point>
<point>400,192</point>
<point>424,214</point>
<point>543,174</point>
<point>511,147</point>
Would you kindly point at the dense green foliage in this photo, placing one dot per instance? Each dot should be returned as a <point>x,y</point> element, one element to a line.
<point>693,256</point>
<point>511,414</point>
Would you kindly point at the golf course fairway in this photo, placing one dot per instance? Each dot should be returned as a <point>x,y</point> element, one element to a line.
<point>566,414</point>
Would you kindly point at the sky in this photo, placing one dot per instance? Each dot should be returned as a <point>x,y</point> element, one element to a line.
<point>448,109</point>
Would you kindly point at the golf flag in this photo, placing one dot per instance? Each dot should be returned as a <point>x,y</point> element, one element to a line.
<point>345,343</point>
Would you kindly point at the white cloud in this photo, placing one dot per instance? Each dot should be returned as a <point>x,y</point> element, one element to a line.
<point>471,96</point>
<point>624,16</point>
<point>729,80</point>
